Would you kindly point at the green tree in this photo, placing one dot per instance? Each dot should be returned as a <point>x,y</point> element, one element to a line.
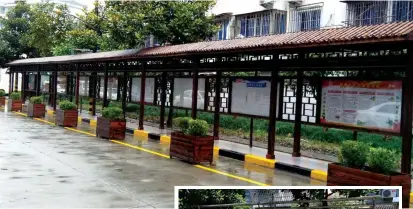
<point>175,22</point>
<point>6,52</point>
<point>15,25</point>
<point>188,198</point>
<point>49,24</point>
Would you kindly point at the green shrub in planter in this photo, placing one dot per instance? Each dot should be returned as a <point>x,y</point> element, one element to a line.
<point>197,128</point>
<point>182,123</point>
<point>67,105</point>
<point>15,96</point>
<point>2,92</point>
<point>354,154</point>
<point>36,100</point>
<point>382,160</point>
<point>113,113</point>
<point>132,108</point>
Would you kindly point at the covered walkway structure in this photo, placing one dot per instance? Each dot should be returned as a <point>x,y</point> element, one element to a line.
<point>292,60</point>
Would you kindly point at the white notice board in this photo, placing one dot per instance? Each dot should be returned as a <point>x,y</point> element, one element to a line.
<point>149,89</point>
<point>251,96</point>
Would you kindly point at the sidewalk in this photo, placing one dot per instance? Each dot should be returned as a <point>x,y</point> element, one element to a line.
<point>309,167</point>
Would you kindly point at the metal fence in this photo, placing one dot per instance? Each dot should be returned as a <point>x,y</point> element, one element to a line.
<point>284,199</point>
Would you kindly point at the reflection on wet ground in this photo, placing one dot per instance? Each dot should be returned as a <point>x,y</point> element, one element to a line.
<point>42,165</point>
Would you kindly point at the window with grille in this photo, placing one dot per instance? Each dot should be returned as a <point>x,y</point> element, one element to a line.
<point>362,13</point>
<point>259,24</point>
<point>222,33</point>
<point>305,18</point>
<point>402,11</point>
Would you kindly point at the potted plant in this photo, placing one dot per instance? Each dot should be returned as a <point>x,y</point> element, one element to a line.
<point>360,165</point>
<point>16,102</point>
<point>112,124</point>
<point>192,143</point>
<point>36,108</point>
<point>2,97</point>
<point>67,114</point>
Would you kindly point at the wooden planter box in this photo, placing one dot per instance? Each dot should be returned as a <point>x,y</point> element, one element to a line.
<point>193,149</point>
<point>109,129</point>
<point>2,101</point>
<point>16,105</point>
<point>339,175</point>
<point>66,118</point>
<point>36,110</point>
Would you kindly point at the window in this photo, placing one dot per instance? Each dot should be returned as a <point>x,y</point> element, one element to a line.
<point>222,33</point>
<point>402,10</point>
<point>366,13</point>
<point>266,25</point>
<point>250,26</point>
<point>188,94</point>
<point>305,18</point>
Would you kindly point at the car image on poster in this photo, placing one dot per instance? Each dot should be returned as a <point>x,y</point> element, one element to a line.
<point>374,105</point>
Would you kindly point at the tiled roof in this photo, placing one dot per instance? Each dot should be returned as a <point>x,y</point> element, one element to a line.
<point>336,36</point>
<point>389,32</point>
<point>78,57</point>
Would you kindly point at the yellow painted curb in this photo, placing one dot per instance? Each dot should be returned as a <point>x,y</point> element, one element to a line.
<point>216,150</point>
<point>260,161</point>
<point>92,123</point>
<point>50,112</point>
<point>411,197</point>
<point>140,133</point>
<point>319,175</point>
<point>165,139</point>
<point>79,120</point>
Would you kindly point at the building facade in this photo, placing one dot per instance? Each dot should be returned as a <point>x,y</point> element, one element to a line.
<point>247,18</point>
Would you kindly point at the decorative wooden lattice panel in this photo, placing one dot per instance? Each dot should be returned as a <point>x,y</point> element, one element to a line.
<point>308,112</point>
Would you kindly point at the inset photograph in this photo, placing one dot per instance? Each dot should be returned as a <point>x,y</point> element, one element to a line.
<point>259,197</point>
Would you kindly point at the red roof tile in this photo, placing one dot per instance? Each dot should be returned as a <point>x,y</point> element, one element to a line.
<point>336,36</point>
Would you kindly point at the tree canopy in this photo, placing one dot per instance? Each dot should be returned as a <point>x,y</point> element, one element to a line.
<point>46,28</point>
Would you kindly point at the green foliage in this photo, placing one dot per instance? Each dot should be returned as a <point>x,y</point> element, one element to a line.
<point>115,104</point>
<point>2,92</point>
<point>354,154</point>
<point>15,96</point>
<point>197,128</point>
<point>36,100</point>
<point>189,198</point>
<point>67,105</point>
<point>49,24</point>
<point>113,113</point>
<point>182,123</point>
<point>14,27</point>
<point>382,160</point>
<point>132,108</point>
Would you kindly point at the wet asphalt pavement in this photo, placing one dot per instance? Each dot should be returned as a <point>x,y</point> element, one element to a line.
<point>42,165</point>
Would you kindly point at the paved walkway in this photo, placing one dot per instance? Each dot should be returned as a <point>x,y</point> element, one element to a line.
<point>43,165</point>
<point>287,158</point>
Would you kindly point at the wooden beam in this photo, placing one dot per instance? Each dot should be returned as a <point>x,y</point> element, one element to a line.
<point>163,101</point>
<point>407,116</point>
<point>195,88</point>
<point>273,108</point>
<point>105,86</point>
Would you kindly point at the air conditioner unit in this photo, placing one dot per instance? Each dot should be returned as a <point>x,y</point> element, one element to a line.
<point>295,2</point>
<point>389,193</point>
<point>268,4</point>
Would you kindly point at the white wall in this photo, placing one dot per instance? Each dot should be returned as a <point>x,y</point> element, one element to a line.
<point>333,12</point>
<point>4,80</point>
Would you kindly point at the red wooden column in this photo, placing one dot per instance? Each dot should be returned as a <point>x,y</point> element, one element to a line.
<point>163,100</point>
<point>10,82</point>
<point>142,99</point>
<point>298,109</point>
<point>217,103</point>
<point>195,88</point>
<point>16,82</point>
<point>23,86</point>
<point>38,80</point>
<point>407,115</point>
<point>105,87</point>
<point>273,110</point>
<point>77,85</point>
<point>55,88</point>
